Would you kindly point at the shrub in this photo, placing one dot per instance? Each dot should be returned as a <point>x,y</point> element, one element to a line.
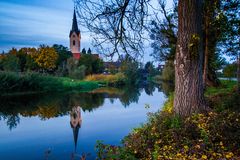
<point>78,72</point>
<point>167,73</point>
<point>112,80</point>
<point>10,63</point>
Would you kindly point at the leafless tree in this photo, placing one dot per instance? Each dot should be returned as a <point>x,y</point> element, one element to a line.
<point>118,25</point>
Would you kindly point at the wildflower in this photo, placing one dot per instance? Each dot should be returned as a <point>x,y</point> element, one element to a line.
<point>179,155</point>
<point>204,157</point>
<point>229,155</point>
<point>198,146</point>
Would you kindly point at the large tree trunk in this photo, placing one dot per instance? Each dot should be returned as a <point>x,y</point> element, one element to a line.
<point>205,69</point>
<point>238,73</point>
<point>189,97</point>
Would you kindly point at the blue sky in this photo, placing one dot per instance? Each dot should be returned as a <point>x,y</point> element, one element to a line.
<point>29,23</point>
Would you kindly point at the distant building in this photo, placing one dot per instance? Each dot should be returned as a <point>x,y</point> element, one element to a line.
<point>75,38</point>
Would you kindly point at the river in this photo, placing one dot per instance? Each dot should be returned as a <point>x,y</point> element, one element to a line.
<point>64,126</point>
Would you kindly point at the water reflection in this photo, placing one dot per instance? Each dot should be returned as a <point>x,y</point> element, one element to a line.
<point>47,106</point>
<point>50,125</point>
<point>75,122</point>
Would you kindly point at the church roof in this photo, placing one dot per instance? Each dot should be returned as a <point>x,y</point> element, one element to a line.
<point>74,25</point>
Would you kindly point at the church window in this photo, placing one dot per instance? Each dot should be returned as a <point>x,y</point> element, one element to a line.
<point>74,42</point>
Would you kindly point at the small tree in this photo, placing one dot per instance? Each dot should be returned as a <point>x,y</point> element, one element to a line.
<point>230,71</point>
<point>11,63</point>
<point>130,67</point>
<point>47,58</point>
<point>75,70</point>
<point>89,51</point>
<point>84,51</point>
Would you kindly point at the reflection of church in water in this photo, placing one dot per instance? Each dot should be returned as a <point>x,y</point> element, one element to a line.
<point>75,122</point>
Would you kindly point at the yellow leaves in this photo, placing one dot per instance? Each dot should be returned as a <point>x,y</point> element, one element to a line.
<point>158,141</point>
<point>198,146</point>
<point>229,155</point>
<point>47,58</point>
<point>186,148</point>
<point>204,157</point>
<point>179,154</point>
<point>221,143</point>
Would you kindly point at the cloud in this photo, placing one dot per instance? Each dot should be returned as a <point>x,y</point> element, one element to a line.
<point>33,25</point>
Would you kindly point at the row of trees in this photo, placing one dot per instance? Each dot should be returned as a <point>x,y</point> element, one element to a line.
<point>43,59</point>
<point>56,60</point>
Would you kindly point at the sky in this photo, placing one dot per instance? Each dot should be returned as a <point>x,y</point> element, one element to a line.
<point>29,23</point>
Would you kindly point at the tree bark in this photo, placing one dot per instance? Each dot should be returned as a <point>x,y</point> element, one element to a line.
<point>189,97</point>
<point>238,73</point>
<point>205,69</point>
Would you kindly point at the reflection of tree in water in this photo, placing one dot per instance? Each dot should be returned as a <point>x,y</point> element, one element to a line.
<point>53,105</point>
<point>131,95</point>
<point>11,120</point>
<point>149,88</point>
<point>166,87</point>
<point>87,101</point>
<point>45,106</point>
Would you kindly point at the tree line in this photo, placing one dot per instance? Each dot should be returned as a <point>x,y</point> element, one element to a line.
<point>56,60</point>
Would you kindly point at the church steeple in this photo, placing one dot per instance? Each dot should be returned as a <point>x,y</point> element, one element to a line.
<point>74,25</point>
<point>75,38</point>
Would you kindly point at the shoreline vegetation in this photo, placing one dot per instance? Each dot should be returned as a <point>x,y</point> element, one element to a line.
<point>211,135</point>
<point>30,83</point>
<point>13,83</point>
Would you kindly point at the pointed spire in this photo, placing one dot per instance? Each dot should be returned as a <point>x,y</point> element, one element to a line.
<point>75,136</point>
<point>74,24</point>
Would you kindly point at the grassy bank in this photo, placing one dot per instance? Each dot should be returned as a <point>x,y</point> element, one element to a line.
<point>11,83</point>
<point>108,80</point>
<point>214,135</point>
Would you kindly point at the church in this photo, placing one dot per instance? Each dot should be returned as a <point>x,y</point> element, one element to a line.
<point>75,38</point>
<point>75,46</point>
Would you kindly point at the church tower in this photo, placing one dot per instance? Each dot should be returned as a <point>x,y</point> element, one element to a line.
<point>75,38</point>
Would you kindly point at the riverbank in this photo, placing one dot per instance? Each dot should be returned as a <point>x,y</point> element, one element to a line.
<point>213,135</point>
<point>25,83</point>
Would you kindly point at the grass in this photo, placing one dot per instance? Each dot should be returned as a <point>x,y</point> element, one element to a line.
<point>225,88</point>
<point>212,135</point>
<point>109,80</point>
<point>17,83</point>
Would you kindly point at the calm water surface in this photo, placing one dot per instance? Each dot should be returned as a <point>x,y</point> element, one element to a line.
<point>64,126</point>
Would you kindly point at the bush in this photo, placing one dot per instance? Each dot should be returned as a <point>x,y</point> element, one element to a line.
<point>78,72</point>
<point>111,80</point>
<point>10,63</point>
<point>168,72</point>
